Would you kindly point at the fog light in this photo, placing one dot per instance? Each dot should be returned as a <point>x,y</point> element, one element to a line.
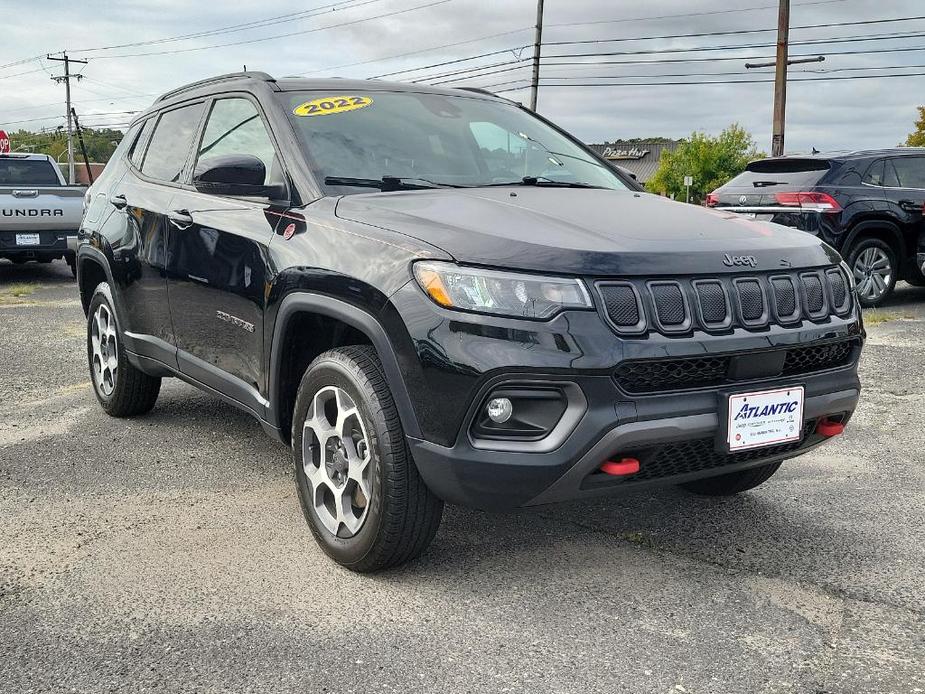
<point>499,410</point>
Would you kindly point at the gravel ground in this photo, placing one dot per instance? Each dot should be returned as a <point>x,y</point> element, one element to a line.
<point>168,553</point>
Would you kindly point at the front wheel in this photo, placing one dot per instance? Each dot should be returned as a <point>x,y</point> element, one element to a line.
<point>733,482</point>
<point>359,488</point>
<point>873,264</point>
<point>121,389</point>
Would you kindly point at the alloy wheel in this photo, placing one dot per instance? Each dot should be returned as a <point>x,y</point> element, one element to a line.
<point>336,460</point>
<point>104,349</point>
<point>872,273</point>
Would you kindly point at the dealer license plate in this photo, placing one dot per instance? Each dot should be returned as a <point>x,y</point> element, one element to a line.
<point>764,418</point>
<point>27,240</point>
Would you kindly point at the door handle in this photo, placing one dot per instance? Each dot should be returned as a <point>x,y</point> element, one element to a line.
<point>181,219</point>
<point>118,201</point>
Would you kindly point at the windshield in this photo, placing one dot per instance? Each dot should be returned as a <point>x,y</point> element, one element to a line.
<point>27,172</point>
<point>434,139</point>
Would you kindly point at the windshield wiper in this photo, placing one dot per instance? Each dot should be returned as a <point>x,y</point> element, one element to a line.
<point>387,183</point>
<point>544,182</point>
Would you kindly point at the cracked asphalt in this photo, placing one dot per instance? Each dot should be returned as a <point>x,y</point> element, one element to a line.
<point>167,553</point>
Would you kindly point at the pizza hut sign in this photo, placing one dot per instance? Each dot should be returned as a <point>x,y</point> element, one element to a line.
<point>633,153</point>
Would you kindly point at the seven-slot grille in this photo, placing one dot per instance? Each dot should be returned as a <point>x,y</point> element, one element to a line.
<point>716,304</point>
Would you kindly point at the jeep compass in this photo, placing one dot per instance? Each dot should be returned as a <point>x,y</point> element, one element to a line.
<point>434,295</point>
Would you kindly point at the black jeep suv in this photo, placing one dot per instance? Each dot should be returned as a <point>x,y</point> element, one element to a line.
<point>435,295</point>
<point>867,205</point>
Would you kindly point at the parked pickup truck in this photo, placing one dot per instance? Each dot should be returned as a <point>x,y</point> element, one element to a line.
<point>39,212</point>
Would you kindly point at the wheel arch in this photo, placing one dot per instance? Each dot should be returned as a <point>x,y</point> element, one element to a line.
<point>884,229</point>
<point>297,307</point>
<point>92,268</point>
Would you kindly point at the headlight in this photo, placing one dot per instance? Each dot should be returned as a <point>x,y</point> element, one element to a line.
<point>500,293</point>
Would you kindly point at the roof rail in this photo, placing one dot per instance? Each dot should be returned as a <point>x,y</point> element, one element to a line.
<point>264,77</point>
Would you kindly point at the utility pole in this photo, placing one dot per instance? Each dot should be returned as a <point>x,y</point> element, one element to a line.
<point>537,45</point>
<point>66,78</point>
<point>83,147</point>
<point>780,79</point>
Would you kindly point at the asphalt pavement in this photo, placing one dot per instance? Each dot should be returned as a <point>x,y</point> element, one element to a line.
<point>167,553</point>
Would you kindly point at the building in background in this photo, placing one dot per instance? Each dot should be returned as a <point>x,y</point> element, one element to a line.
<point>641,158</point>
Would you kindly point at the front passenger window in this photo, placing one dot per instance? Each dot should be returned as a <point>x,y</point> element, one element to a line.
<point>235,127</point>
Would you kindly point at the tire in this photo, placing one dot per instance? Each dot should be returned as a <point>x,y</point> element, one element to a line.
<point>122,390</point>
<point>733,482</point>
<point>71,263</point>
<point>392,515</point>
<point>864,260</point>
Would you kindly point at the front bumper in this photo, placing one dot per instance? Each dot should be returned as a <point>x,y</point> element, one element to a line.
<point>614,426</point>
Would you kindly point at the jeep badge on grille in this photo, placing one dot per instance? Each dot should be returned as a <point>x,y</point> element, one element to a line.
<point>738,260</point>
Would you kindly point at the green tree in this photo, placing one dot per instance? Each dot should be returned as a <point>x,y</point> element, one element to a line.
<point>711,161</point>
<point>917,137</point>
<point>100,143</point>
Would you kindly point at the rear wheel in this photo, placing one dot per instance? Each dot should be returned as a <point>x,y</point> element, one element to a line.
<point>873,264</point>
<point>733,482</point>
<point>121,389</point>
<point>359,488</point>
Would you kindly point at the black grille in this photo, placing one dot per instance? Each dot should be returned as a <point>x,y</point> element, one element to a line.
<point>751,299</point>
<point>700,454</point>
<point>785,296</point>
<point>839,289</point>
<point>720,304</point>
<point>651,376</point>
<point>669,303</point>
<point>658,375</point>
<point>712,300</point>
<point>815,296</point>
<point>622,306</point>
<point>818,358</point>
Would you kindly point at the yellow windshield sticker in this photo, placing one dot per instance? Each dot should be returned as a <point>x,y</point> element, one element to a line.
<point>329,105</point>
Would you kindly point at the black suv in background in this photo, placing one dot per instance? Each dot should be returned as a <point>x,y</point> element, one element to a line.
<point>867,205</point>
<point>436,295</point>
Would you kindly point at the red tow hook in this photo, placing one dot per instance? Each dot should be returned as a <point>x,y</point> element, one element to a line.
<point>622,467</point>
<point>828,428</point>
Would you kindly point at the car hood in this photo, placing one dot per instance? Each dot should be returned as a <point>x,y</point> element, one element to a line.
<point>585,231</point>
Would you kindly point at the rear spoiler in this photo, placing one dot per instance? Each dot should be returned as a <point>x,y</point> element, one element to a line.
<point>788,164</point>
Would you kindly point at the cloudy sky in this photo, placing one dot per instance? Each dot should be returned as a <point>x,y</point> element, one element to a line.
<point>635,90</point>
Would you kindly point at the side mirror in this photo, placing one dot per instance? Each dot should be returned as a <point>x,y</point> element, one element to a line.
<point>235,174</point>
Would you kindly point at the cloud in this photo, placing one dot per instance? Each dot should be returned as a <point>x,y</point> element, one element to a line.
<point>826,115</point>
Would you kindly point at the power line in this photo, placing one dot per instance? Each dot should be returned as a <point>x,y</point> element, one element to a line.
<point>422,50</point>
<point>708,82</point>
<point>434,3</point>
<point>20,74</point>
<point>513,51</point>
<point>255,24</point>
<point>689,14</point>
<point>734,32</point>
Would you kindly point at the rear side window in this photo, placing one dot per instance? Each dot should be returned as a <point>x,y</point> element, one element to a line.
<point>881,173</point>
<point>27,172</point>
<point>169,147</point>
<point>792,173</point>
<point>138,149</point>
<point>235,127</point>
<point>910,171</point>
